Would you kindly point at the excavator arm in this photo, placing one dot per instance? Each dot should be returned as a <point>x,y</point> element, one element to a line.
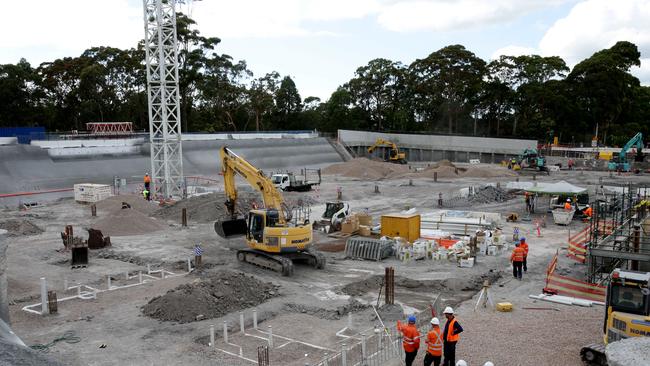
<point>232,164</point>
<point>636,141</point>
<point>381,142</point>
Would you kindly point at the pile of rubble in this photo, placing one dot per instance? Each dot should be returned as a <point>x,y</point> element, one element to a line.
<point>223,293</point>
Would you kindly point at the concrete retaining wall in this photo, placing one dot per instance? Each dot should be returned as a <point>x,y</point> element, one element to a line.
<point>4,299</point>
<point>30,168</point>
<point>438,147</point>
<point>8,140</point>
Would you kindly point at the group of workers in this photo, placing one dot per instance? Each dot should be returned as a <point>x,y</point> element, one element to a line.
<point>439,341</point>
<point>519,259</point>
<point>588,211</point>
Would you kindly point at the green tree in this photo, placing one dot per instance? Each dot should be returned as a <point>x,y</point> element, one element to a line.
<point>603,86</point>
<point>447,83</point>
<point>261,97</point>
<point>19,98</point>
<point>288,104</point>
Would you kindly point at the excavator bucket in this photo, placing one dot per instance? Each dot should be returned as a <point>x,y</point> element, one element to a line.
<point>230,228</point>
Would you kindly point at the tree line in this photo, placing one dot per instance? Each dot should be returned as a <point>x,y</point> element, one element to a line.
<point>450,91</point>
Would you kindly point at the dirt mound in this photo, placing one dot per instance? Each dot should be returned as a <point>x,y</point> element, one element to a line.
<point>127,222</point>
<point>113,204</point>
<point>20,227</point>
<point>217,296</point>
<point>366,169</point>
<point>208,207</point>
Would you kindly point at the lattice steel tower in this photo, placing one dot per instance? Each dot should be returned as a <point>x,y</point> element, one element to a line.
<point>164,98</point>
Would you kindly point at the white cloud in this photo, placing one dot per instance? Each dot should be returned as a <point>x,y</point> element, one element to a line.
<point>596,24</point>
<point>593,25</point>
<point>513,50</point>
<point>287,18</point>
<point>441,15</point>
<point>69,27</point>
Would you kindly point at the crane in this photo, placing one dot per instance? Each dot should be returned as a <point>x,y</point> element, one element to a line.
<point>621,163</point>
<point>395,156</point>
<point>274,235</point>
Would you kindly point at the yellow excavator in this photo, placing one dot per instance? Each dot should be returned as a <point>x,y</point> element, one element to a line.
<point>276,235</point>
<point>394,155</point>
<point>627,313</point>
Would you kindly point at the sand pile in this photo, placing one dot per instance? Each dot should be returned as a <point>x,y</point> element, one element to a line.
<point>217,296</point>
<point>114,204</point>
<point>127,222</point>
<point>20,227</point>
<point>366,169</point>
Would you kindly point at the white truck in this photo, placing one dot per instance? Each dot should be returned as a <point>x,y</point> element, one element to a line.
<point>289,182</point>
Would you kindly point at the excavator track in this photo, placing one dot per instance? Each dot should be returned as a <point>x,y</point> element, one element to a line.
<point>280,263</point>
<point>273,262</point>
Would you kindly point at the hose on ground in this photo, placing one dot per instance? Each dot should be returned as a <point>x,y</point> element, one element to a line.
<point>68,337</point>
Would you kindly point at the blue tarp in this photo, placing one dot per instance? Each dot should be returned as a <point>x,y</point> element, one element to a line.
<point>24,135</point>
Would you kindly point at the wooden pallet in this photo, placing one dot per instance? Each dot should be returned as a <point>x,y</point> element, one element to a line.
<point>340,235</point>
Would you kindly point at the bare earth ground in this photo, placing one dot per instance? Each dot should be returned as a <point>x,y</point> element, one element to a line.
<point>115,319</point>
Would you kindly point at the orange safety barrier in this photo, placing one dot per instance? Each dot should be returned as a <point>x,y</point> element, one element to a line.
<point>568,286</point>
<point>577,249</point>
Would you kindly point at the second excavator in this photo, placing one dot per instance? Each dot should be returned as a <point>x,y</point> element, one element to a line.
<point>276,235</point>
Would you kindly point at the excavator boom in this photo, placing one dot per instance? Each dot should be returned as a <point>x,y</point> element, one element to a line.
<point>232,164</point>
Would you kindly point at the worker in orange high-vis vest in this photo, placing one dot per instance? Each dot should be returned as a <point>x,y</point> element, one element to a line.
<point>434,344</point>
<point>524,246</point>
<point>147,181</point>
<point>588,211</point>
<point>517,259</point>
<point>567,205</point>
<point>410,339</point>
<point>451,336</point>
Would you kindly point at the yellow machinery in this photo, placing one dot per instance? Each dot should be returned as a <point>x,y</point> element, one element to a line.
<point>276,236</point>
<point>627,312</point>
<point>394,156</point>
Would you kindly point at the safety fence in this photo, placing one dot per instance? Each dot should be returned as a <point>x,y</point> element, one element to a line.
<point>375,349</point>
<point>568,286</point>
<point>577,249</point>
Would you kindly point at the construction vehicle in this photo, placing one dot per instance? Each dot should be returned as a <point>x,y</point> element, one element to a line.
<point>531,159</point>
<point>627,312</point>
<point>289,182</point>
<point>276,235</point>
<point>394,155</point>
<point>333,216</point>
<point>620,163</point>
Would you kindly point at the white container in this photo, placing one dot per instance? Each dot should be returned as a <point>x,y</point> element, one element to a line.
<point>91,193</point>
<point>466,263</point>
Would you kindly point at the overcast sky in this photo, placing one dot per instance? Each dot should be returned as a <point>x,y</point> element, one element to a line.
<point>320,43</point>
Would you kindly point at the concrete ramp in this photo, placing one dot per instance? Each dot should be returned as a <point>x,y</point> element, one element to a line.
<point>31,168</point>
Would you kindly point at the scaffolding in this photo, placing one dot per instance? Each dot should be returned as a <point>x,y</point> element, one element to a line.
<point>619,235</point>
<point>163,98</point>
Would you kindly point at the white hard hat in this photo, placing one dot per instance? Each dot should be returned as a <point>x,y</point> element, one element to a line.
<point>588,206</point>
<point>568,199</point>
<point>435,321</point>
<point>448,310</point>
<point>461,363</point>
<point>488,364</point>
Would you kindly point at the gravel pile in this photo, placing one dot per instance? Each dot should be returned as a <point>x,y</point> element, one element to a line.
<point>631,351</point>
<point>485,195</point>
<point>127,221</point>
<point>217,296</point>
<point>20,227</point>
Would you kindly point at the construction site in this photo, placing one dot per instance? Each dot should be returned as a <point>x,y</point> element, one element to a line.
<point>104,276</point>
<point>299,248</point>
